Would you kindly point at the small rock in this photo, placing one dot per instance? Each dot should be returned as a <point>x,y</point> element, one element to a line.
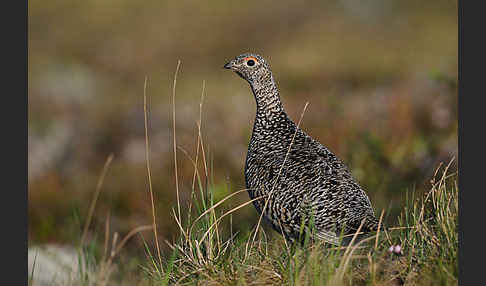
<point>54,264</point>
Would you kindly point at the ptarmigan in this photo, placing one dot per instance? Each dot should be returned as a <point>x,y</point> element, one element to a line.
<point>306,184</point>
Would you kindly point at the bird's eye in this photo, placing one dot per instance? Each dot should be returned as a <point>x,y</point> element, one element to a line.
<point>250,61</point>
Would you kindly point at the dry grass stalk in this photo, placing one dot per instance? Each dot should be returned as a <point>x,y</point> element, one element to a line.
<point>95,198</point>
<point>147,157</point>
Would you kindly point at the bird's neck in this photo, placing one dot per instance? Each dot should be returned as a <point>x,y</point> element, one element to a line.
<point>267,97</point>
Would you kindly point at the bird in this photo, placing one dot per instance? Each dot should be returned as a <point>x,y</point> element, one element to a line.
<point>299,184</point>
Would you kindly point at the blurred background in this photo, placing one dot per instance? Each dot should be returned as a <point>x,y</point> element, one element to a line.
<point>380,78</point>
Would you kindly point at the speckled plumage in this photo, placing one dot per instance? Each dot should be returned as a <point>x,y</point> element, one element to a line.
<point>307,181</point>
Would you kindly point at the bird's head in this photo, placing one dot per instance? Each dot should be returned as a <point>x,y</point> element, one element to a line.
<point>250,67</point>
